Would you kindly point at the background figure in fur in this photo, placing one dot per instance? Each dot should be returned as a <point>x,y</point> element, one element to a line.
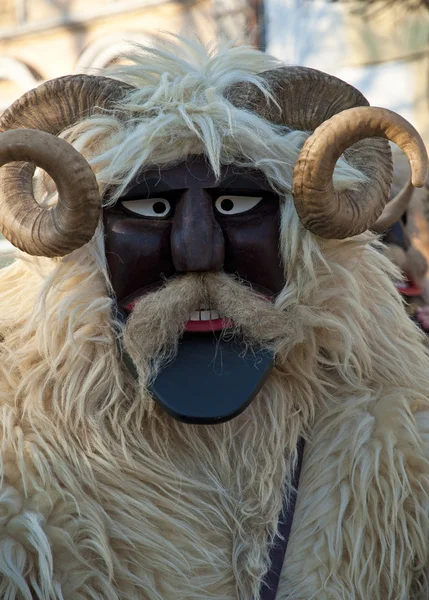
<point>208,204</point>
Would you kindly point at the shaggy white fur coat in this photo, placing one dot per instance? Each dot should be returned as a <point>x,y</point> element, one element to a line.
<point>103,497</point>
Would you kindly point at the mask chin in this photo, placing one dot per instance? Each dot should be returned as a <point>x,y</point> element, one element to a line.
<point>211,379</point>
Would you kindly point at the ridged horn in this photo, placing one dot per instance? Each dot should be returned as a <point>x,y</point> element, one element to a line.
<point>51,108</point>
<point>329,213</point>
<point>58,103</point>
<point>305,99</point>
<point>28,226</point>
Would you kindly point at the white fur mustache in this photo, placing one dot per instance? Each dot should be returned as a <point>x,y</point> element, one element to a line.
<point>160,317</point>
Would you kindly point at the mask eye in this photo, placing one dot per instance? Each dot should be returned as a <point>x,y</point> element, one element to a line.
<point>234,205</point>
<point>151,207</point>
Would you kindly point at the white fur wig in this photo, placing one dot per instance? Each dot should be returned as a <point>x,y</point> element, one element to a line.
<point>105,497</point>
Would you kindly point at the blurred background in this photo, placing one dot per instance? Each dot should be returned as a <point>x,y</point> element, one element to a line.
<point>381,47</point>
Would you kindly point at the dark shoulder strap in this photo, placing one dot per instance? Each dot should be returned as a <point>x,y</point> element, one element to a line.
<point>278,549</point>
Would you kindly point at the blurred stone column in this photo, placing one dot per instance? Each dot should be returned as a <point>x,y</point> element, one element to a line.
<point>240,21</point>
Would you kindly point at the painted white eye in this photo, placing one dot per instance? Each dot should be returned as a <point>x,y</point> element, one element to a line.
<point>150,207</point>
<point>234,205</point>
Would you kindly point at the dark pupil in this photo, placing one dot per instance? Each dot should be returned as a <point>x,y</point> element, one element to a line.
<point>227,204</point>
<point>159,208</point>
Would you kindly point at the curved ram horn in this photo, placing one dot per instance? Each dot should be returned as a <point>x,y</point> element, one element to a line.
<point>51,108</point>
<point>68,225</point>
<point>59,103</point>
<point>342,214</point>
<point>304,99</point>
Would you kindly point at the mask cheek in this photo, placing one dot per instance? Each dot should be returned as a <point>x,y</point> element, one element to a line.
<point>137,252</point>
<point>253,249</point>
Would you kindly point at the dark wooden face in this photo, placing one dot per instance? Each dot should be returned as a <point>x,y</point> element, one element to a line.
<point>183,219</point>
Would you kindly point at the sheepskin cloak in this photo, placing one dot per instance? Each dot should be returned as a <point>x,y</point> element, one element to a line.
<point>118,523</point>
<point>104,497</point>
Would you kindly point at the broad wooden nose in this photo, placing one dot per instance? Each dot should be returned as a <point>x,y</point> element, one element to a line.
<point>197,242</point>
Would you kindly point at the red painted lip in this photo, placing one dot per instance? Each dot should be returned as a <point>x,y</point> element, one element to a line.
<point>408,288</point>
<point>212,325</point>
<point>130,307</point>
<point>195,326</point>
<point>199,326</point>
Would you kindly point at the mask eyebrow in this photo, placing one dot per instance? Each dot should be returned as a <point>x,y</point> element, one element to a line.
<point>246,182</point>
<point>146,188</point>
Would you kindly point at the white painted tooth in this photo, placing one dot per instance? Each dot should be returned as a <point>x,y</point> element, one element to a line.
<point>195,316</point>
<point>214,315</point>
<point>205,315</point>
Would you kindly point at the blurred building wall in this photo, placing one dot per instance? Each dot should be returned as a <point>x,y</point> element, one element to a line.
<point>384,52</point>
<point>43,39</point>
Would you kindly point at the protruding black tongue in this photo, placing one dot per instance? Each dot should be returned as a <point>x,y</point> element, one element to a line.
<point>211,380</point>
